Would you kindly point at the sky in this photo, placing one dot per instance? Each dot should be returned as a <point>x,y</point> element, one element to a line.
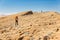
<point>15,6</point>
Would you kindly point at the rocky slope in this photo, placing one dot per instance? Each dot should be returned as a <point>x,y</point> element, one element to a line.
<point>30,26</point>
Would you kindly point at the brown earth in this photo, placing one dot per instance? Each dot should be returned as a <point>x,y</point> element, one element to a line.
<point>30,26</point>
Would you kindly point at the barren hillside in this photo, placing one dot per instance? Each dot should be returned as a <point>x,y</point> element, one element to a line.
<point>30,26</point>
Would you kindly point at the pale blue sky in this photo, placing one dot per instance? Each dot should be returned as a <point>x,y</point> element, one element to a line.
<point>12,6</point>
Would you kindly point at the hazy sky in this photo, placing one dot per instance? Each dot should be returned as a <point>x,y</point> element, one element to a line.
<point>12,6</point>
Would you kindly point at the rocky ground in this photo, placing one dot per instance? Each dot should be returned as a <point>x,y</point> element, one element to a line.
<point>30,26</point>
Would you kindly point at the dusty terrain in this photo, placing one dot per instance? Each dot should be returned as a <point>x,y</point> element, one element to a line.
<point>30,26</point>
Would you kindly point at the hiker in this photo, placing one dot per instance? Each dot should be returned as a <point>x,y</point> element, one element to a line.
<point>16,20</point>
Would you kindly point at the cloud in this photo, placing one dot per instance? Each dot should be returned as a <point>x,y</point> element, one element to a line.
<point>5,14</point>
